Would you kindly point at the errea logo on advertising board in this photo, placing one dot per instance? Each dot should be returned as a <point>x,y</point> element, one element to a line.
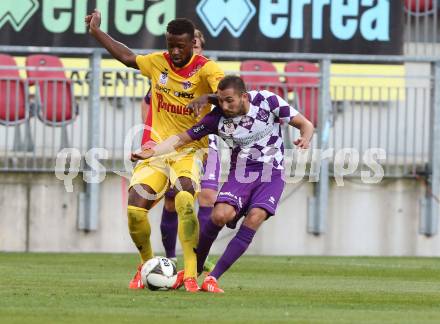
<point>274,18</point>
<point>17,12</point>
<point>285,26</point>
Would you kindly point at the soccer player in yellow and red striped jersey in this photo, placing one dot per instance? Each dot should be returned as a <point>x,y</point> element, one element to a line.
<point>178,77</point>
<point>209,184</point>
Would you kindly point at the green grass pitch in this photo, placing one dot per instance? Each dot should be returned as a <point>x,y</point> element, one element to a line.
<point>92,288</point>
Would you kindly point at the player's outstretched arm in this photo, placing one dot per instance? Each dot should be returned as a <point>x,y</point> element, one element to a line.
<point>171,144</point>
<point>208,125</point>
<point>305,128</point>
<point>118,50</point>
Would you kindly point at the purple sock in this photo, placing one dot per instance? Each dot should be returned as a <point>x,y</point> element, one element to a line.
<point>208,234</point>
<point>203,215</point>
<point>234,250</point>
<point>168,228</point>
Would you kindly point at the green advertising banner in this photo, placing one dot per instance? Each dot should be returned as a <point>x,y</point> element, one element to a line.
<point>309,26</point>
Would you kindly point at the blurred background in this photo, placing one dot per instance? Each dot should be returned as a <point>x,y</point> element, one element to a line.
<point>366,73</point>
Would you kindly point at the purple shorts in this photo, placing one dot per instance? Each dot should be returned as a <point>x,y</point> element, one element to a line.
<point>210,178</point>
<point>245,196</point>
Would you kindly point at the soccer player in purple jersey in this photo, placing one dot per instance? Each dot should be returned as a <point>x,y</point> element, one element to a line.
<point>249,122</point>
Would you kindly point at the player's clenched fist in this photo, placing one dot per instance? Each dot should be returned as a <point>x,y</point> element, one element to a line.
<point>302,142</point>
<point>197,104</point>
<point>93,21</point>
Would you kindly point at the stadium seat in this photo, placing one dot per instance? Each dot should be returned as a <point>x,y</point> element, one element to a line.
<point>14,104</point>
<point>267,80</point>
<point>419,6</point>
<point>305,87</point>
<point>54,92</point>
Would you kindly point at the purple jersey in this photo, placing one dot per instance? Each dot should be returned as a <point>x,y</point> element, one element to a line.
<point>255,137</point>
<point>212,143</point>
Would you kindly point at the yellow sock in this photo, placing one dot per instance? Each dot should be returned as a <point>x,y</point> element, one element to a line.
<point>188,230</point>
<point>140,230</point>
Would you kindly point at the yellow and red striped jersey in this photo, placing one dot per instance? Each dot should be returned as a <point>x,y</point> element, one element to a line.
<point>173,88</point>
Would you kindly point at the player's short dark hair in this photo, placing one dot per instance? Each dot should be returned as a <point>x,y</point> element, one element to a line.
<point>180,26</point>
<point>232,81</point>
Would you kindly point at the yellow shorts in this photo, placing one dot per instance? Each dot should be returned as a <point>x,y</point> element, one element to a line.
<point>161,173</point>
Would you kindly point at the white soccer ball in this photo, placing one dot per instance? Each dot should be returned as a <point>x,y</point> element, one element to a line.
<point>159,273</point>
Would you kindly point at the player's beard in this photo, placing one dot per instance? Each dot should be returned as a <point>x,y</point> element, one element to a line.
<point>242,110</point>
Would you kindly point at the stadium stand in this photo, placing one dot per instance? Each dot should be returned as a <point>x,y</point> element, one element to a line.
<point>419,6</point>
<point>305,87</point>
<point>54,92</point>
<point>268,79</point>
<point>14,104</point>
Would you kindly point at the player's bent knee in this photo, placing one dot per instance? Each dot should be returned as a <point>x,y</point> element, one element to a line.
<point>139,196</point>
<point>186,184</point>
<point>220,215</point>
<point>255,218</point>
